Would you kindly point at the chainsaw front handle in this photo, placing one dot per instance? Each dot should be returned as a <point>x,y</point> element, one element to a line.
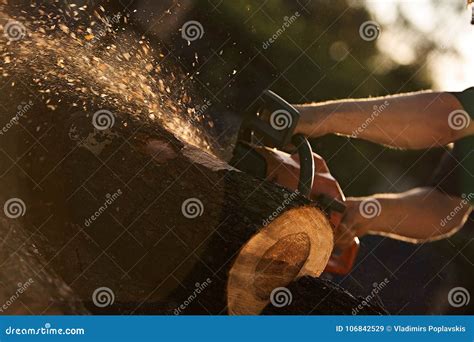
<point>305,153</point>
<point>343,262</point>
<point>260,129</point>
<point>340,262</point>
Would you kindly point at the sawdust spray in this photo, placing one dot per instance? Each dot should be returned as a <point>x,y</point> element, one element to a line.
<point>94,56</point>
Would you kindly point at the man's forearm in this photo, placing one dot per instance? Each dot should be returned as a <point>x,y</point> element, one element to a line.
<point>417,215</point>
<point>415,120</point>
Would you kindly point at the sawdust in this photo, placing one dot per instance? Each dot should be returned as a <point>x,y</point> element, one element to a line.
<point>96,61</point>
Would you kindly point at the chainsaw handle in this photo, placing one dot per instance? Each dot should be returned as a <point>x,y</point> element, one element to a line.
<point>342,263</point>
<point>305,153</point>
<point>330,204</point>
<point>339,263</point>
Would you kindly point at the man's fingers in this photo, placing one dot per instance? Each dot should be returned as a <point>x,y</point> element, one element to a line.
<point>324,183</point>
<point>343,236</point>
<point>320,164</point>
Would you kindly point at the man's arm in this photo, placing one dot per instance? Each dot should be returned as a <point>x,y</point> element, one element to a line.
<point>418,215</point>
<point>412,121</point>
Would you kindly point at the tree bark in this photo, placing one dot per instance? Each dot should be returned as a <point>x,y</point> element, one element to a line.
<point>28,285</point>
<point>316,296</point>
<point>136,221</point>
<point>174,217</point>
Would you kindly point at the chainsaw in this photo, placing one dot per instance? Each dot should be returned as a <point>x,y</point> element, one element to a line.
<point>266,130</point>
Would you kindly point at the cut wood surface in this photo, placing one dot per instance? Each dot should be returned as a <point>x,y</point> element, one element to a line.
<point>297,243</point>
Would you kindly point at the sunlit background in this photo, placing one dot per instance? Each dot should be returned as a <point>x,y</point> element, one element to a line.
<point>446,23</point>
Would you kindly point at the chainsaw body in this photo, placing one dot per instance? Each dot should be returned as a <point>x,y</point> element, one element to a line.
<point>266,130</point>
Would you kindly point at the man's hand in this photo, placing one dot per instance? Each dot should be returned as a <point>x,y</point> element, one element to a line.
<point>413,121</point>
<point>284,169</point>
<point>418,215</point>
<point>353,225</point>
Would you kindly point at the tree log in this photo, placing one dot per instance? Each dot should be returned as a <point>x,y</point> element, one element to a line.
<point>163,226</point>
<point>133,218</point>
<point>316,296</point>
<point>28,285</point>
<point>176,217</point>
